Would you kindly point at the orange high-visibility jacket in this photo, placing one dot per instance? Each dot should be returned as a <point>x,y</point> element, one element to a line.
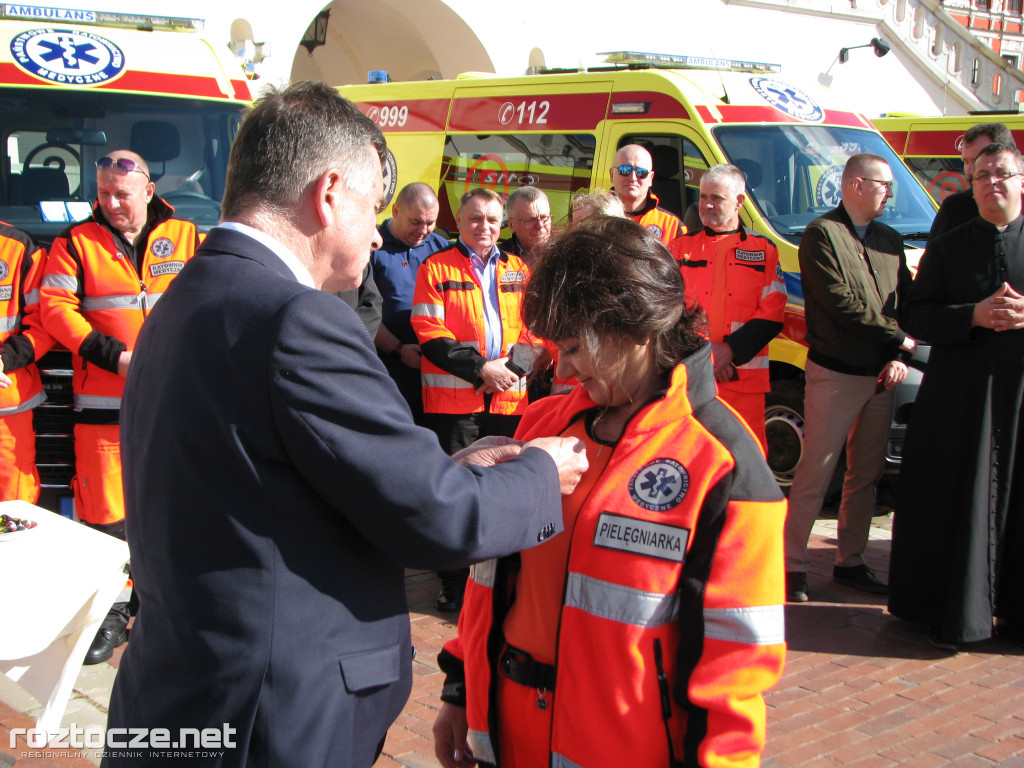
<point>91,287</point>
<point>661,223</point>
<point>448,305</point>
<point>735,276</point>
<point>672,623</point>
<point>22,338</point>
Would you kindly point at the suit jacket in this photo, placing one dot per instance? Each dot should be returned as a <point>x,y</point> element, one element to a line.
<point>276,488</point>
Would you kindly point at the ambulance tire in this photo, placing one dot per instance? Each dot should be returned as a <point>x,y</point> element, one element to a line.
<point>784,427</point>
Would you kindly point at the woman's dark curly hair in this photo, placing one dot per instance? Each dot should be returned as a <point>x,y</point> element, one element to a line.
<point>611,278</point>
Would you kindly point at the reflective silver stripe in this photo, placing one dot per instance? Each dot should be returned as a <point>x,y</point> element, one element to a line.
<point>520,385</point>
<point>480,743</point>
<point>444,380</point>
<point>483,573</point>
<point>618,603</point>
<point>775,286</point>
<point>32,297</point>
<point>428,310</point>
<point>763,625</point>
<point>90,303</point>
<point>95,401</point>
<point>67,282</point>
<point>10,323</point>
<point>561,761</point>
<point>152,299</point>
<point>755,363</point>
<point>28,405</point>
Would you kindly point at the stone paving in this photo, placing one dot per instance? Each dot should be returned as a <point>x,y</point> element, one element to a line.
<point>861,689</point>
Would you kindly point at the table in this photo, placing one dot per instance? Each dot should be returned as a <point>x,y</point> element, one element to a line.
<point>58,581</point>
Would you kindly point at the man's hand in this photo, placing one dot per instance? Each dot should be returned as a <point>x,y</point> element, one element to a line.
<point>570,456</point>
<point>123,362</point>
<point>450,729</point>
<point>488,451</point>
<point>5,380</point>
<point>496,377</point>
<point>1002,311</point>
<point>893,373</point>
<point>721,358</point>
<point>411,355</point>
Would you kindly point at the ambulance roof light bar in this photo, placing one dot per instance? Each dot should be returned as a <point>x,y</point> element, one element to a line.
<point>99,18</point>
<point>637,59</point>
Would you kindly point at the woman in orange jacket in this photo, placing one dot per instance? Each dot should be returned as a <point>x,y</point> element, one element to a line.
<point>647,633</point>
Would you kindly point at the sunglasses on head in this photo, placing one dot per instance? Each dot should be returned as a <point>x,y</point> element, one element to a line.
<point>626,170</point>
<point>124,163</point>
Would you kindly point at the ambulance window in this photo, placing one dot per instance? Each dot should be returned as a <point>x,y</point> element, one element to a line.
<point>41,169</point>
<point>800,171</point>
<point>676,184</point>
<point>559,164</point>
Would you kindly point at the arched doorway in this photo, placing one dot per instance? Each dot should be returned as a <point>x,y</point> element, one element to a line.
<point>411,39</point>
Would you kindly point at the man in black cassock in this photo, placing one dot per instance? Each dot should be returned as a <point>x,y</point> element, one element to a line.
<point>958,532</point>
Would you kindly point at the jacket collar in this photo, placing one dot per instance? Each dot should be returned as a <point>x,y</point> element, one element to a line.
<point>464,250</point>
<point>221,240</point>
<point>691,386</point>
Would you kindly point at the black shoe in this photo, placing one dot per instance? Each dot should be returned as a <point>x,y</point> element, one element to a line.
<point>796,587</point>
<point>453,585</point>
<point>112,633</point>
<point>943,645</point>
<point>859,577</point>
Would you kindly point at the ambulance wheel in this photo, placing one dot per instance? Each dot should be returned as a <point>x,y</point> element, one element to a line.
<point>784,428</point>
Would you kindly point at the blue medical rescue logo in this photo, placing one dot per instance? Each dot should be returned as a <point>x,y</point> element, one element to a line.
<point>162,247</point>
<point>659,485</point>
<point>3,270</point>
<point>655,230</point>
<point>67,57</point>
<point>829,190</point>
<point>790,100</point>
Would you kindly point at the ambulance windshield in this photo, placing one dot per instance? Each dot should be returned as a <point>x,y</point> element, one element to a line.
<point>794,173</point>
<point>54,137</point>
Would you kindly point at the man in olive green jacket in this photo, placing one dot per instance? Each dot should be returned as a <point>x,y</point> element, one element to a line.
<point>853,272</point>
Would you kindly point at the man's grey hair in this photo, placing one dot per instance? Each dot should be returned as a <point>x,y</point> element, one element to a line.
<point>288,139</point>
<point>729,174</point>
<point>525,195</point>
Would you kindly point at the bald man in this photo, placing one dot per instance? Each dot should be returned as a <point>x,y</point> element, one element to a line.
<point>102,278</point>
<point>854,276</point>
<point>632,174</point>
<point>408,239</point>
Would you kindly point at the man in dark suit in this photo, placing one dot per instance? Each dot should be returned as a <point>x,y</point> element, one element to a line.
<point>276,481</point>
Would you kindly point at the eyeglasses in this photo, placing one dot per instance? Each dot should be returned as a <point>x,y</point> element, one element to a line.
<point>536,221</point>
<point>886,184</point>
<point>626,170</point>
<point>982,177</point>
<point>124,163</point>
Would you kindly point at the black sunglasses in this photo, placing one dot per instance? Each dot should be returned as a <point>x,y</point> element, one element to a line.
<point>626,170</point>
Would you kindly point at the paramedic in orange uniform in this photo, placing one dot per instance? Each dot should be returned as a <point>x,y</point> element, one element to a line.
<point>22,342</point>
<point>735,276</point>
<point>647,633</point>
<point>103,277</point>
<point>632,175</point>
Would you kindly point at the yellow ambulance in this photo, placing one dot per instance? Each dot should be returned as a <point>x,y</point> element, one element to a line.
<point>77,84</point>
<point>930,146</point>
<point>559,130</point>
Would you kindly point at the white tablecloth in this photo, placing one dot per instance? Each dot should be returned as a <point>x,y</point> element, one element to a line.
<point>58,581</point>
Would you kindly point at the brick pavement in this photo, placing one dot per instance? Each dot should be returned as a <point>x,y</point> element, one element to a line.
<point>861,689</point>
